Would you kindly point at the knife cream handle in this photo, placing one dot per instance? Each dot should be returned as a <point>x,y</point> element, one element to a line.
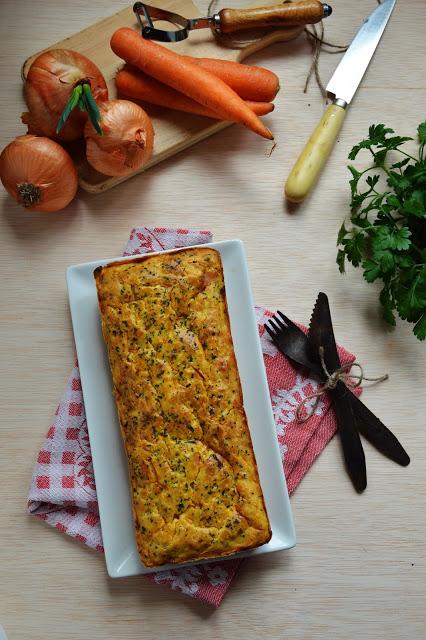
<point>306,171</point>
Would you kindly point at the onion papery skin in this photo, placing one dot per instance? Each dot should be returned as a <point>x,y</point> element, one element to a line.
<point>127,141</point>
<point>48,86</point>
<point>38,173</point>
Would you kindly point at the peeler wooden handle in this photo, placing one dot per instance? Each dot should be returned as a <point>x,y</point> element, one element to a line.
<point>285,15</point>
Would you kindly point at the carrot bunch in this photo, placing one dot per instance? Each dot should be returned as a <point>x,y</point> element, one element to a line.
<point>215,88</point>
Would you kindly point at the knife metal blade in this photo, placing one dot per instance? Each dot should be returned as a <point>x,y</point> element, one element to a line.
<point>350,70</point>
<point>343,86</point>
<point>321,337</point>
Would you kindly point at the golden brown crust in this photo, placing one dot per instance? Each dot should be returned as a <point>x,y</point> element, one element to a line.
<point>194,480</point>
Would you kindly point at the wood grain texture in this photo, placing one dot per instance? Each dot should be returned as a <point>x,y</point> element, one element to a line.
<point>359,569</point>
<point>287,14</point>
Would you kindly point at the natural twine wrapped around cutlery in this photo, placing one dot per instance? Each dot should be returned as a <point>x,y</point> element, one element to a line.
<point>352,381</point>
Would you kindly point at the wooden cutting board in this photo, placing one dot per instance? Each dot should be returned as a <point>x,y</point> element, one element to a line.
<point>174,131</point>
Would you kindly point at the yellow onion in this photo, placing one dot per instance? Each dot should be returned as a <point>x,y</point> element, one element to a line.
<point>127,140</point>
<point>51,80</point>
<point>38,173</point>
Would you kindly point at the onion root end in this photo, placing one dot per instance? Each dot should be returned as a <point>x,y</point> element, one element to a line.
<point>28,194</point>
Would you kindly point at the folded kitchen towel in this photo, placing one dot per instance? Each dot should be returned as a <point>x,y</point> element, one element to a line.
<point>63,490</point>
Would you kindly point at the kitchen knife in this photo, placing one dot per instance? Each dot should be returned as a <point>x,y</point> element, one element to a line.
<point>343,86</point>
<point>321,338</point>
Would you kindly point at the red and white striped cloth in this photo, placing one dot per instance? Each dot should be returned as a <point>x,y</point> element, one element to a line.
<point>63,491</point>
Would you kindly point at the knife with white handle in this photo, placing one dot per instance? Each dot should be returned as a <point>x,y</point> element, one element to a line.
<point>343,85</point>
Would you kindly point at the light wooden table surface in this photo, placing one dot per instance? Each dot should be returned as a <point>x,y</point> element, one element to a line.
<point>358,570</point>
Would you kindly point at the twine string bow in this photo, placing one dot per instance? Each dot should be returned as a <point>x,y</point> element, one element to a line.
<point>353,380</point>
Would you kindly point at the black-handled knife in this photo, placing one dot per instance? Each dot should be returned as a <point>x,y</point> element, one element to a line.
<point>321,340</point>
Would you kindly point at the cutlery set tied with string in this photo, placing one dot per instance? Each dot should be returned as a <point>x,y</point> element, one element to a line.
<point>317,352</point>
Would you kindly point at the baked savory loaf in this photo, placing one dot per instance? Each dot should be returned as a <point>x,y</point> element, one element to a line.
<point>194,481</point>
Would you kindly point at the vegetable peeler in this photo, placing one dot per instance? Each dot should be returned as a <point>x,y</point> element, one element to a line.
<point>289,14</point>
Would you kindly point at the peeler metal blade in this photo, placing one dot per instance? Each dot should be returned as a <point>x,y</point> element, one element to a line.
<point>147,14</point>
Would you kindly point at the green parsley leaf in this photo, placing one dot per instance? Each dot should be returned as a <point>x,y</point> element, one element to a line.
<point>422,132</point>
<point>420,327</point>
<point>402,300</point>
<point>409,301</point>
<point>387,306</point>
<point>395,142</point>
<point>404,262</point>
<point>354,248</point>
<point>393,202</point>
<point>377,133</point>
<point>341,235</point>
<point>416,204</point>
<point>341,260</point>
<point>372,181</point>
<point>355,178</point>
<point>381,240</point>
<point>398,182</point>
<point>387,261</point>
<point>401,239</point>
<point>387,236</point>
<point>380,157</point>
<point>421,287</point>
<point>400,164</point>
<point>357,148</point>
<point>372,270</point>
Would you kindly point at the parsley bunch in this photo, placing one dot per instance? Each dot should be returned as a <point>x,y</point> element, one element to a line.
<point>387,236</point>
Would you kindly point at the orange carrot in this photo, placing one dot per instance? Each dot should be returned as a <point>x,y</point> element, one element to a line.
<point>250,82</point>
<point>136,85</point>
<point>177,72</point>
